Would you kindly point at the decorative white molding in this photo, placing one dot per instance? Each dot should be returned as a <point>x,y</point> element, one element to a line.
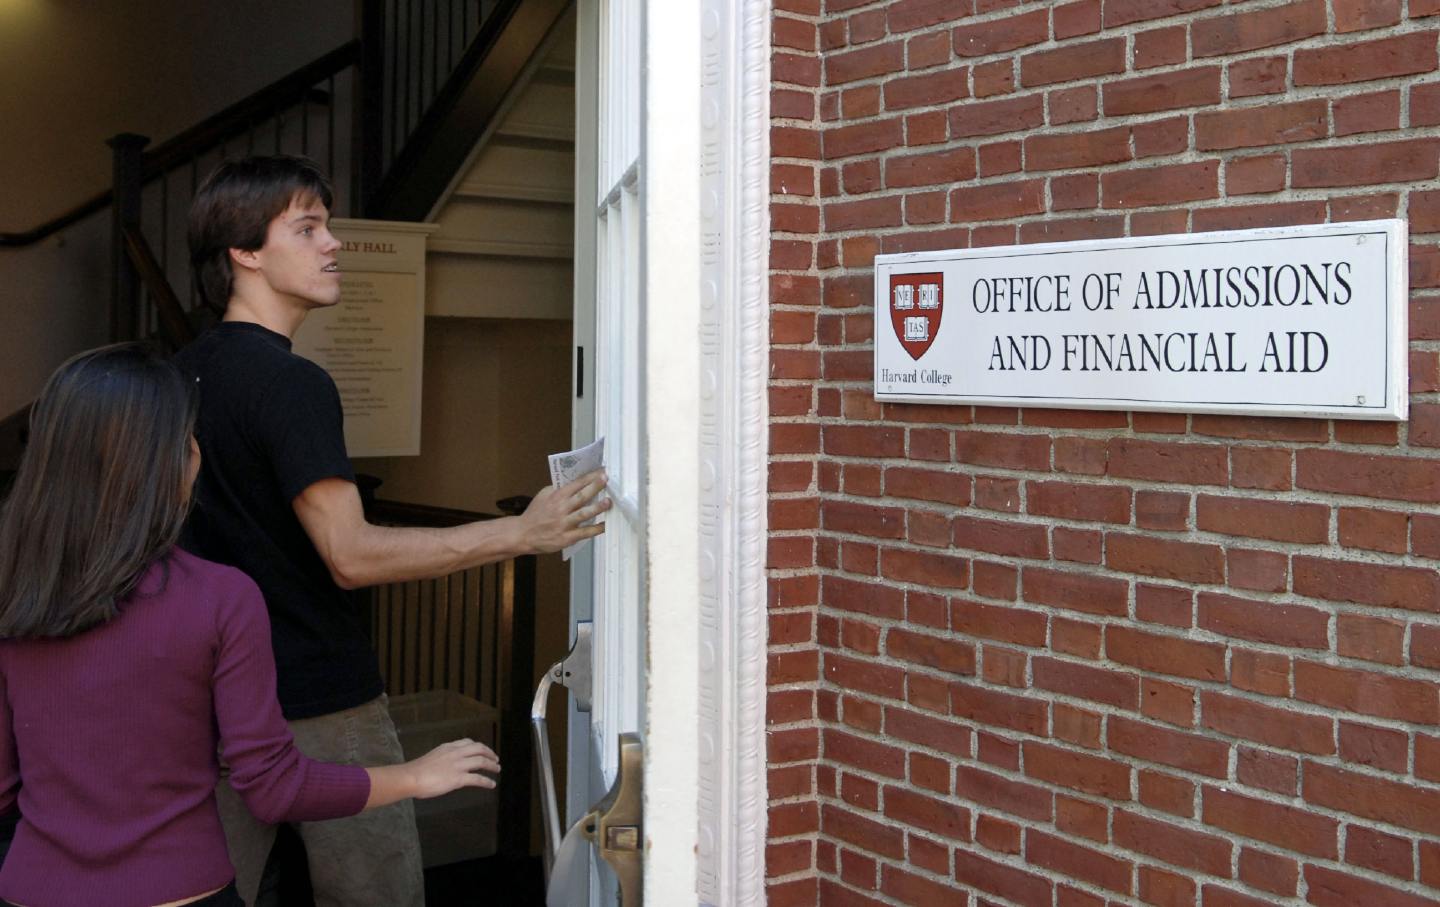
<point>735,93</point>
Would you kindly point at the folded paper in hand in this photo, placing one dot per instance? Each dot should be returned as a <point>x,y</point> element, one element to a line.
<point>572,464</point>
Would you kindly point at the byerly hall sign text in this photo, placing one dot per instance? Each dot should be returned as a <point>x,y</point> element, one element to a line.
<point>1295,321</point>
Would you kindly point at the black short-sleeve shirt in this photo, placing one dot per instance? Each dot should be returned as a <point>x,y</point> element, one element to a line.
<point>270,426</point>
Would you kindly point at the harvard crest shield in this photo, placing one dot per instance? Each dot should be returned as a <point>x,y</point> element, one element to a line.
<point>916,304</point>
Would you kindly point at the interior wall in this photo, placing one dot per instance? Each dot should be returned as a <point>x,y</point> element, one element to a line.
<point>54,298</point>
<point>495,403</point>
<point>493,409</point>
<point>153,67</point>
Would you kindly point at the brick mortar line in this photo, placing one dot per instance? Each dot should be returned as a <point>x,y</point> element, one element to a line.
<point>1198,206</point>
<point>1288,702</point>
<point>1297,495</point>
<point>1135,484</point>
<point>1144,861</point>
<point>1333,92</point>
<point>1197,440</point>
<point>1101,570</point>
<point>1068,215</point>
<point>1329,656</point>
<point>1189,534</point>
<point>1010,12</point>
<point>1137,763</point>
<point>1238,842</point>
<point>1104,123</point>
<point>1104,663</point>
<point>1020,861</point>
<point>1290,93</point>
<point>1195,824</point>
<point>1328,39</point>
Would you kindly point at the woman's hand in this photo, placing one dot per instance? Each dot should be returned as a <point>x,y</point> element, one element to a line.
<point>449,766</point>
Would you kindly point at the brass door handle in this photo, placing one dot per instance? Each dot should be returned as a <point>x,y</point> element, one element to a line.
<point>615,825</point>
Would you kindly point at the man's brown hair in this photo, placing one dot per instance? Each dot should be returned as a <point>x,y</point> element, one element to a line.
<point>233,209</point>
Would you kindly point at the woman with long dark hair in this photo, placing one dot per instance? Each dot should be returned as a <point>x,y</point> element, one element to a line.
<point>129,667</point>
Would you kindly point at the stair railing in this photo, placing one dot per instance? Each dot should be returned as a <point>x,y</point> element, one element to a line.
<point>357,111</point>
<point>352,110</point>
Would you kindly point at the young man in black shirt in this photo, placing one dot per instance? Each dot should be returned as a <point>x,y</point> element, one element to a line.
<point>276,497</point>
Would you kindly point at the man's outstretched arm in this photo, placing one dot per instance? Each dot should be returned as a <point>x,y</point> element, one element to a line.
<point>361,554</point>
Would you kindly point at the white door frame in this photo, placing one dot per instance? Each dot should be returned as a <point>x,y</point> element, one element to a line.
<point>707,93</point>
<point>734,64</point>
<point>704,181</point>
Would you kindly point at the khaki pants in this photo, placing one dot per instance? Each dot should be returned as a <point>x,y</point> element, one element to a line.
<point>369,860</point>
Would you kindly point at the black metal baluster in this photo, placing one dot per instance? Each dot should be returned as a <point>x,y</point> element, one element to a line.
<point>405,81</point>
<point>464,635</point>
<point>495,638</point>
<point>418,68</point>
<point>392,35</point>
<point>165,223</point>
<point>449,37</point>
<point>434,57</point>
<point>194,182</point>
<point>330,130</point>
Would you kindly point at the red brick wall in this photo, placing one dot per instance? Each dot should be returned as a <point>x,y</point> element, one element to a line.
<point>1078,658</point>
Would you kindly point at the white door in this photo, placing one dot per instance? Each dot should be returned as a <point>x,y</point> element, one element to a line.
<point>638,251</point>
<point>608,581</point>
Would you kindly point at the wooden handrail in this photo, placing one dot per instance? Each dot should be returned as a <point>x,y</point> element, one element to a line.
<point>173,323</point>
<point>237,118</point>
<point>229,122</point>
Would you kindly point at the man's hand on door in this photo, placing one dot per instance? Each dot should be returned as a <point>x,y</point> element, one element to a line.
<point>557,517</point>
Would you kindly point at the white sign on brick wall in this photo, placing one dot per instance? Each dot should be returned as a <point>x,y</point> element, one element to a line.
<point>1290,321</point>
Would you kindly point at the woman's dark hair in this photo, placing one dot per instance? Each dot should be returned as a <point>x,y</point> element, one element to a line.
<point>233,209</point>
<point>100,494</point>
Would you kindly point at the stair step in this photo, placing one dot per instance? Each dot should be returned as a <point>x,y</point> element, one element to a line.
<point>543,111</point>
<point>547,132</point>
<point>550,195</point>
<point>501,248</point>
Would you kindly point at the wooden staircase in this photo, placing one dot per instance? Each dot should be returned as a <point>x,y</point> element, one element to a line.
<point>425,80</point>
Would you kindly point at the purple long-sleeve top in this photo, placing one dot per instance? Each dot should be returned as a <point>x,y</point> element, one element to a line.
<point>108,742</point>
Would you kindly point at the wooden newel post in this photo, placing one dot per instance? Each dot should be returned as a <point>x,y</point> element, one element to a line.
<point>125,282</point>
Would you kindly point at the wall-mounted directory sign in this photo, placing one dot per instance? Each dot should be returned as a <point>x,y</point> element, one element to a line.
<point>373,341</point>
<point>1293,321</point>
